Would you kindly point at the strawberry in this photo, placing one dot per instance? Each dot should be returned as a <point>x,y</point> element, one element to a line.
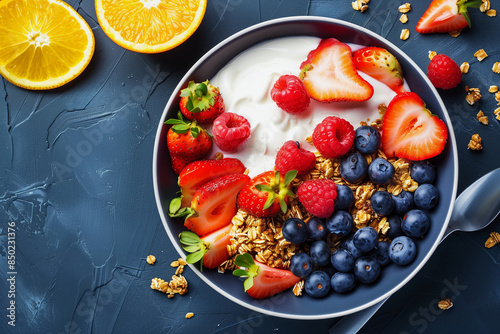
<point>197,173</point>
<point>410,130</point>
<point>329,74</point>
<point>211,249</point>
<point>380,64</point>
<point>201,102</point>
<point>266,194</point>
<point>443,72</point>
<point>292,157</point>
<point>446,16</point>
<point>186,142</point>
<point>263,281</point>
<point>290,94</point>
<point>230,131</point>
<point>213,205</point>
<point>318,197</point>
<point>333,137</point>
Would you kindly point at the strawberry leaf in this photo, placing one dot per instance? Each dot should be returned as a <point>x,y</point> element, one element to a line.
<point>175,204</point>
<point>195,131</point>
<point>270,200</point>
<point>189,238</point>
<point>244,260</point>
<point>290,176</point>
<point>195,257</point>
<point>248,283</point>
<point>240,272</point>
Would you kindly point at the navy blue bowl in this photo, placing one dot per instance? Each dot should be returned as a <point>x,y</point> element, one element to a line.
<point>393,277</point>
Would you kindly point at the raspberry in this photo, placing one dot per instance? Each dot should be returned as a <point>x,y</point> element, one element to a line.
<point>292,157</point>
<point>230,131</point>
<point>443,72</point>
<point>290,94</point>
<point>333,137</point>
<point>318,196</point>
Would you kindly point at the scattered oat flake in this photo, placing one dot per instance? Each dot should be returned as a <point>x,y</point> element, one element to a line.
<point>473,95</point>
<point>404,8</point>
<point>403,18</point>
<point>445,304</point>
<point>432,54</point>
<point>485,6</point>
<point>497,96</point>
<point>151,259</point>
<point>298,287</point>
<point>482,118</point>
<point>475,143</point>
<point>174,264</point>
<point>492,240</point>
<point>182,262</point>
<point>405,33</point>
<point>189,315</point>
<point>480,54</point>
<point>497,113</point>
<point>464,68</point>
<point>491,13</point>
<point>455,33</point>
<point>496,67</point>
<point>493,89</point>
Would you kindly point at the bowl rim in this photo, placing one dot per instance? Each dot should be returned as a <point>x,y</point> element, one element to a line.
<point>451,141</point>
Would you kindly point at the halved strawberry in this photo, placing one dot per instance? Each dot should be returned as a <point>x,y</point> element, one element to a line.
<point>263,281</point>
<point>410,130</point>
<point>446,16</point>
<point>212,248</point>
<point>213,205</point>
<point>329,74</point>
<point>197,173</point>
<point>380,64</point>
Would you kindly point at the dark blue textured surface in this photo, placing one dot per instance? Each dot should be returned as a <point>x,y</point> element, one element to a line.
<point>75,177</point>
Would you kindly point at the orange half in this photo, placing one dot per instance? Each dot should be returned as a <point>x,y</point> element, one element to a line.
<point>44,44</point>
<point>149,26</point>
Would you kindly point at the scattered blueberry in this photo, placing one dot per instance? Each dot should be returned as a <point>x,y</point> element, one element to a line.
<point>317,229</point>
<point>348,244</point>
<point>343,282</point>
<point>402,250</point>
<point>353,168</point>
<point>394,226</point>
<point>317,284</point>
<point>366,269</point>
<point>403,202</point>
<point>340,223</point>
<point>301,264</point>
<point>367,139</point>
<point>295,230</point>
<point>345,197</point>
<point>382,203</point>
<point>415,223</point>
<point>426,196</point>
<point>365,239</point>
<point>342,260</point>
<point>320,252</point>
<point>381,253</point>
<point>423,172</point>
<point>381,171</point>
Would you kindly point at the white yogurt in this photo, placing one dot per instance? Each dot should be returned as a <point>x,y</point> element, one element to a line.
<point>245,84</point>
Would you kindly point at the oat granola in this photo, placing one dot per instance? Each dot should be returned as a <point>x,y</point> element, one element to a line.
<point>475,143</point>
<point>493,240</point>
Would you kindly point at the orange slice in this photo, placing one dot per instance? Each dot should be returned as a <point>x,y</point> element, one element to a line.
<point>44,44</point>
<point>150,26</point>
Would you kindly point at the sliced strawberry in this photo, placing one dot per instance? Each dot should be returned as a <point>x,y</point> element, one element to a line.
<point>263,281</point>
<point>214,204</point>
<point>200,172</point>
<point>380,64</point>
<point>212,248</point>
<point>410,130</point>
<point>329,74</point>
<point>446,16</point>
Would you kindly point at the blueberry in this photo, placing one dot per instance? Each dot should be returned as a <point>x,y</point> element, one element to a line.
<point>317,229</point>
<point>348,244</point>
<point>415,223</point>
<point>320,252</point>
<point>345,197</point>
<point>317,284</point>
<point>365,239</point>
<point>295,230</point>
<point>366,269</point>
<point>394,226</point>
<point>343,282</point>
<point>382,203</point>
<point>367,139</point>
<point>353,168</point>
<point>426,196</point>
<point>381,171</point>
<point>301,265</point>
<point>329,269</point>
<point>403,202</point>
<point>381,253</point>
<point>402,250</point>
<point>342,260</point>
<point>423,172</point>
<point>340,223</point>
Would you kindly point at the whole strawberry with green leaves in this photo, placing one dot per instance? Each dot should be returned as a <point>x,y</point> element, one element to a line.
<point>201,102</point>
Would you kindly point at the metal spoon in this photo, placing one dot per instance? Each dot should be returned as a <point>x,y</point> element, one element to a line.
<point>475,208</point>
